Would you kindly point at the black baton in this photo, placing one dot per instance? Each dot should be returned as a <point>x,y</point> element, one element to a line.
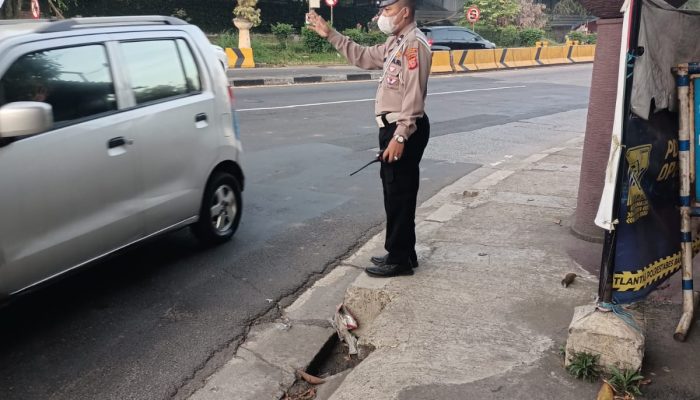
<point>378,158</point>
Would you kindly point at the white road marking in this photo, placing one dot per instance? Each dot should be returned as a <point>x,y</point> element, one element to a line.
<point>372,99</point>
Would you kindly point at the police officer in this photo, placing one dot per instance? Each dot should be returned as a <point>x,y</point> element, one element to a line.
<point>404,129</point>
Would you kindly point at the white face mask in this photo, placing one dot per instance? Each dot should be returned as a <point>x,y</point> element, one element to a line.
<point>387,24</point>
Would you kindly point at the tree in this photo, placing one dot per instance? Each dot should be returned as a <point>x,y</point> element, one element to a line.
<point>570,7</point>
<point>10,9</point>
<point>496,12</point>
<point>532,15</point>
<point>58,7</point>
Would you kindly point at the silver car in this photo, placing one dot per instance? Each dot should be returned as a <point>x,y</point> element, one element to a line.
<point>112,130</point>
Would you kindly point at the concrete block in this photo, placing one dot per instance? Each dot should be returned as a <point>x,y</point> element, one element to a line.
<point>321,300</point>
<point>555,167</point>
<point>245,377</point>
<point>366,298</point>
<point>535,200</point>
<point>373,247</point>
<point>326,390</point>
<point>445,213</point>
<point>285,347</point>
<point>493,179</point>
<point>604,333</point>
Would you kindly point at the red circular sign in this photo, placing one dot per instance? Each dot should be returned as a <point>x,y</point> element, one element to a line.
<point>36,13</point>
<point>473,14</point>
<point>332,3</point>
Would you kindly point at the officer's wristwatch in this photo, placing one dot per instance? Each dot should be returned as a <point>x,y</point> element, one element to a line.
<point>400,139</point>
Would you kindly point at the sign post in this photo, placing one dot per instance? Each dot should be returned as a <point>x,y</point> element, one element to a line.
<point>331,4</point>
<point>314,4</point>
<point>473,14</point>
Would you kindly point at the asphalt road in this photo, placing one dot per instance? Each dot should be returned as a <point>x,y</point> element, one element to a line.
<point>153,322</point>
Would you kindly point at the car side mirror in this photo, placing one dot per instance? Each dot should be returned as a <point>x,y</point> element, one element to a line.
<point>24,118</point>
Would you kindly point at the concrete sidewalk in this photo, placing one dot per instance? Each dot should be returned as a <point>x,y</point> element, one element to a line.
<point>484,316</point>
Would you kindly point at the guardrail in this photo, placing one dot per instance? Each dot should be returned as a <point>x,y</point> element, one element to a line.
<point>474,60</point>
<point>489,59</point>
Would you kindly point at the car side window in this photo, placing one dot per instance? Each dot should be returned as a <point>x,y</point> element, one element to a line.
<point>75,81</point>
<point>194,83</point>
<point>160,69</point>
<point>462,36</point>
<point>440,35</point>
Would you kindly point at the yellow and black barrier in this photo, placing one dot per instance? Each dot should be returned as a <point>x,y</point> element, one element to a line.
<point>584,53</point>
<point>240,58</point>
<point>442,62</point>
<point>488,59</point>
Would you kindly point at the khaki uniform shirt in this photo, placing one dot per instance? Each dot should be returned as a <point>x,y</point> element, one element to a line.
<point>405,59</point>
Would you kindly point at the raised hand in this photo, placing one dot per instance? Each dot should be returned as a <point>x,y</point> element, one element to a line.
<point>318,24</point>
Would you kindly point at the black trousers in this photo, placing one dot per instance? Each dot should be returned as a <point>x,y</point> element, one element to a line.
<point>400,181</point>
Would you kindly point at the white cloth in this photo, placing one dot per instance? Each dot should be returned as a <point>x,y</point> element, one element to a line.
<point>669,37</point>
<point>604,217</point>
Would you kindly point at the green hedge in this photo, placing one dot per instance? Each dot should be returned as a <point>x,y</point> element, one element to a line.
<point>510,36</point>
<point>365,38</point>
<point>313,42</point>
<point>583,38</point>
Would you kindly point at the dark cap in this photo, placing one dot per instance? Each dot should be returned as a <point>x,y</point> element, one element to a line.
<point>384,3</point>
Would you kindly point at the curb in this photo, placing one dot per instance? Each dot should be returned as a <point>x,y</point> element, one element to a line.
<point>359,77</point>
<point>293,80</point>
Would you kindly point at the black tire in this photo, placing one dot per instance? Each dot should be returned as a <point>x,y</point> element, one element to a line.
<point>221,189</point>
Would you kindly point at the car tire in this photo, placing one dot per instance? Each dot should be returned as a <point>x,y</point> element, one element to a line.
<point>221,208</point>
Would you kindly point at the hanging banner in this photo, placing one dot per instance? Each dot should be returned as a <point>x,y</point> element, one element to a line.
<point>648,231</point>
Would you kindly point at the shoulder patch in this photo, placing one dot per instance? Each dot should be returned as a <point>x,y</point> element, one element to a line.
<point>412,57</point>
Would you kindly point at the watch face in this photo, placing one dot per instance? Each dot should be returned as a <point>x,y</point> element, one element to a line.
<point>400,139</point>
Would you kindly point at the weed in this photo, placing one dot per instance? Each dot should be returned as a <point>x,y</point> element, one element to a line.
<point>625,381</point>
<point>585,366</point>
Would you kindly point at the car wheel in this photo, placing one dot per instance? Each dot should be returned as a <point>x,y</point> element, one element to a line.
<point>221,209</point>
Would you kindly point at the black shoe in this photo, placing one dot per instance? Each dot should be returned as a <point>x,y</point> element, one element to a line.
<point>389,270</point>
<point>381,260</point>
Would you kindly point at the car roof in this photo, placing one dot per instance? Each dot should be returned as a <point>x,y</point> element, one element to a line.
<point>9,28</point>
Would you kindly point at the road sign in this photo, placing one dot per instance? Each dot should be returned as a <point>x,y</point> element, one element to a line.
<point>332,3</point>
<point>473,14</point>
<point>36,12</point>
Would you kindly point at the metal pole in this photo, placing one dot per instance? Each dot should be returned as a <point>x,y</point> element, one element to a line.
<point>683,84</point>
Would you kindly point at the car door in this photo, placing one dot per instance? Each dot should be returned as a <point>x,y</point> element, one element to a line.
<point>457,39</point>
<point>70,194</point>
<point>173,112</point>
<point>441,38</point>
